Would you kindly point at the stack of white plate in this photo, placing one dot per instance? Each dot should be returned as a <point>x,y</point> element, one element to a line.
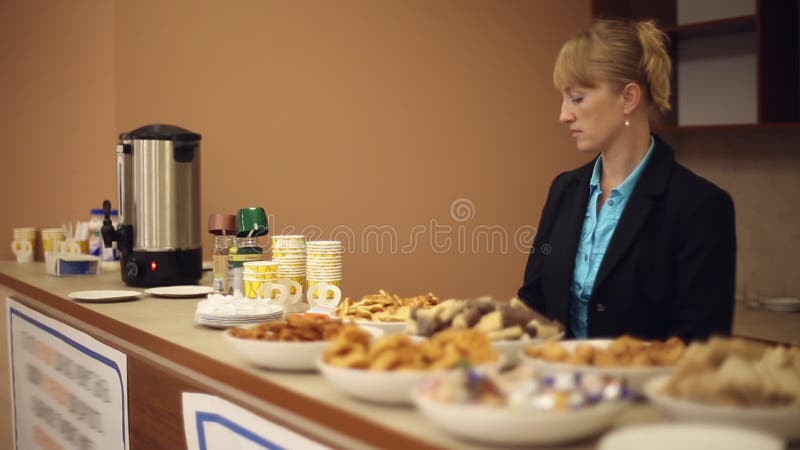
<point>220,311</point>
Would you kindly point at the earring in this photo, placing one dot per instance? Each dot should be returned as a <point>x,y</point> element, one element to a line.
<point>627,121</point>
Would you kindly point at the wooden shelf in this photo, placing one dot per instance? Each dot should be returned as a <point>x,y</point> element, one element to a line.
<point>733,73</point>
<point>731,25</point>
<point>725,127</point>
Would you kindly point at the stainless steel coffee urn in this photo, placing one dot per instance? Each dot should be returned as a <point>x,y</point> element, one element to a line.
<point>158,237</point>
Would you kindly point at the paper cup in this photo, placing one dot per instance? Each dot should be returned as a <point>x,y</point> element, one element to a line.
<point>261,267</point>
<point>50,244</point>
<point>23,250</point>
<point>328,294</point>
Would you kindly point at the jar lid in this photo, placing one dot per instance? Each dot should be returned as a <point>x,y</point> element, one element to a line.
<point>161,132</point>
<point>222,224</point>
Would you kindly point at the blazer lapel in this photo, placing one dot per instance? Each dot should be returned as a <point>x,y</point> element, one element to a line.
<point>651,184</point>
<point>565,238</point>
<point>577,197</point>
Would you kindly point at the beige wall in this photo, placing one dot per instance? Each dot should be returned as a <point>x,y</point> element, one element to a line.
<point>761,170</point>
<point>326,113</point>
<point>57,116</point>
<point>342,115</point>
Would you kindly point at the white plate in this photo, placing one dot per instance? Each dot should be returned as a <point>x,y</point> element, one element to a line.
<point>780,421</point>
<point>510,350</point>
<point>503,426</point>
<point>782,304</point>
<point>387,327</point>
<point>635,376</point>
<point>379,386</point>
<point>283,355</point>
<point>180,291</point>
<point>100,296</point>
<point>685,436</point>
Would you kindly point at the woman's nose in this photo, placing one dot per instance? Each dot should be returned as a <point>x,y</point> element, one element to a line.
<point>566,116</point>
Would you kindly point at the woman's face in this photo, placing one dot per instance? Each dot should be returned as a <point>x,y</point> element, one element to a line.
<point>594,115</point>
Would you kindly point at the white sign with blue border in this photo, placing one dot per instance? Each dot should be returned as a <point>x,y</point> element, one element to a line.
<point>212,423</point>
<point>69,391</point>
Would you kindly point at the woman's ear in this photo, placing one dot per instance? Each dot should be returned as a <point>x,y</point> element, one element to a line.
<point>631,97</point>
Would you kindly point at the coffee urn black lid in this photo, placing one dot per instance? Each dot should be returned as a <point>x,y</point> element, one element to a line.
<point>160,132</point>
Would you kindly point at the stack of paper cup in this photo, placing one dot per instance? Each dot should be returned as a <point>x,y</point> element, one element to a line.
<point>24,243</point>
<point>51,238</point>
<point>261,279</point>
<point>324,271</point>
<point>289,251</point>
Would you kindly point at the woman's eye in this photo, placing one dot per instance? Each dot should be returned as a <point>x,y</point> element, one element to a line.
<point>577,100</point>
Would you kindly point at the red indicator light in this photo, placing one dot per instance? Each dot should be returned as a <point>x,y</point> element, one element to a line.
<point>153,266</point>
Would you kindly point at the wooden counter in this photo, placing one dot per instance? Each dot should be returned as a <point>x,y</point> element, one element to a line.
<point>168,354</point>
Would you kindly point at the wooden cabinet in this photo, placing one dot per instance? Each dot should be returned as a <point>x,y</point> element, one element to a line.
<point>735,62</point>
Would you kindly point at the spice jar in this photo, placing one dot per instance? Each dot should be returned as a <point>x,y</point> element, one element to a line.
<point>222,246</point>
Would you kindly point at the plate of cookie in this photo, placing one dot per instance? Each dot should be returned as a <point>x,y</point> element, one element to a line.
<point>635,360</point>
<point>510,325</point>
<point>734,381</point>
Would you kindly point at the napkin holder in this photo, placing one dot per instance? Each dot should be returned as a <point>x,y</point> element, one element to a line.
<point>68,264</point>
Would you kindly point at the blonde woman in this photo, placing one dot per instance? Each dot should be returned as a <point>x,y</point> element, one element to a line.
<point>632,242</point>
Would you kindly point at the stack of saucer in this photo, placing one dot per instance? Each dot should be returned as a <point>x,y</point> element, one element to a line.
<point>323,266</point>
<point>50,239</point>
<point>289,251</point>
<point>223,311</point>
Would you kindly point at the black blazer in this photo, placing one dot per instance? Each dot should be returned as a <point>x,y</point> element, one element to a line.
<point>669,269</point>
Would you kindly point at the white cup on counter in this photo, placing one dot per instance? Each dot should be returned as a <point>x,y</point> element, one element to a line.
<point>23,250</point>
<point>324,294</point>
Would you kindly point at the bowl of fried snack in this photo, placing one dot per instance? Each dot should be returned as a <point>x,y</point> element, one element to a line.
<point>633,359</point>
<point>385,370</point>
<point>520,406</point>
<point>294,343</point>
<point>509,325</point>
<point>386,311</point>
<point>734,381</point>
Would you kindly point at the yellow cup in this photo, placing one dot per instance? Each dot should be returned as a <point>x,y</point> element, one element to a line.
<point>50,243</point>
<point>260,276</point>
<point>314,291</point>
<point>326,293</point>
<point>261,267</point>
<point>255,288</point>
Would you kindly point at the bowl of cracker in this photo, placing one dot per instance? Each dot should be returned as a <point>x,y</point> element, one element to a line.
<point>386,370</point>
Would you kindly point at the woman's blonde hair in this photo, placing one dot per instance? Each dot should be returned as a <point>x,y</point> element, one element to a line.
<point>618,52</point>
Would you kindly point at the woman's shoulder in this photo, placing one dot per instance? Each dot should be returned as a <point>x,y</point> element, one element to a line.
<point>682,183</point>
<point>690,188</point>
<point>685,179</point>
<point>582,173</point>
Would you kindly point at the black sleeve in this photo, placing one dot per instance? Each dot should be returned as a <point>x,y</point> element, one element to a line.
<point>706,269</point>
<point>531,290</point>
